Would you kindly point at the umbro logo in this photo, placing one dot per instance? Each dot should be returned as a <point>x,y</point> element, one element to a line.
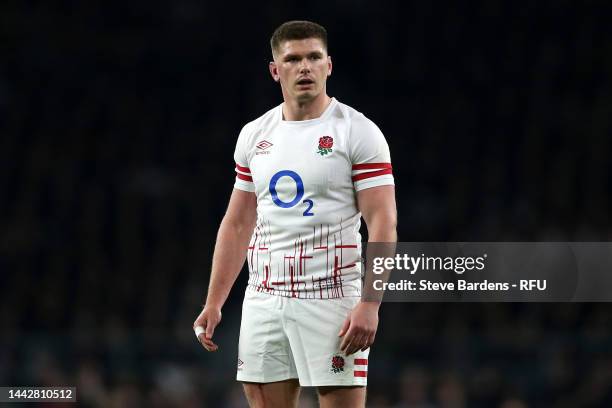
<point>262,146</point>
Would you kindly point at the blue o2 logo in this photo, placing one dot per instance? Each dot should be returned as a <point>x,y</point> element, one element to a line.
<point>299,194</point>
<point>298,183</point>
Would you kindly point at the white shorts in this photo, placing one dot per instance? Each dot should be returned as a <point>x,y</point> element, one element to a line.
<point>283,338</point>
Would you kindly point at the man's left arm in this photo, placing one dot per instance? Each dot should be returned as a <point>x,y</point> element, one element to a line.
<point>377,206</point>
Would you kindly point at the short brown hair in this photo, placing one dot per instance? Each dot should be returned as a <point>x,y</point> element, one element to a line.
<point>297,30</point>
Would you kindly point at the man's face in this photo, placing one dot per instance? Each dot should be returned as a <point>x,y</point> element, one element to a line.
<point>302,68</point>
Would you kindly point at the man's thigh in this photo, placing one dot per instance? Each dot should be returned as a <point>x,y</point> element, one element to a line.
<point>264,352</point>
<point>312,328</point>
<point>342,397</point>
<point>271,395</point>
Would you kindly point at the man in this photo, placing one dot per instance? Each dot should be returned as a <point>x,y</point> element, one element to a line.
<point>307,171</point>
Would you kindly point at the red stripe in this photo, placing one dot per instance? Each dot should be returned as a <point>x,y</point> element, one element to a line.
<point>361,373</point>
<point>371,174</point>
<point>346,246</point>
<point>243,169</point>
<point>369,166</point>
<point>361,361</point>
<point>243,177</point>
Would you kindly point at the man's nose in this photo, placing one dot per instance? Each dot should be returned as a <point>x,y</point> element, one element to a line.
<point>305,65</point>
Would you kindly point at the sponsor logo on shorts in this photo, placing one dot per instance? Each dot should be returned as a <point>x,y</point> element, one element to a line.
<point>337,364</point>
<point>240,363</point>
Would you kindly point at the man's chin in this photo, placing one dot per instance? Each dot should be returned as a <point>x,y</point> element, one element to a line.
<point>305,96</point>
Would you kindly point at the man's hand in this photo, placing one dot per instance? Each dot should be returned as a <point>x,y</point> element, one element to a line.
<point>208,319</point>
<point>359,328</point>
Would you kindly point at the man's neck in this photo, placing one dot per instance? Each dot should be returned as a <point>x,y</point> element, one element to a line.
<point>294,110</point>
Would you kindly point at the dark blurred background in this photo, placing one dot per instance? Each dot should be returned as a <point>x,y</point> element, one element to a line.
<point>118,122</point>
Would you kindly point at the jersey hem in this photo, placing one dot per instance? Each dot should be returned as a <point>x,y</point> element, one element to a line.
<point>348,292</point>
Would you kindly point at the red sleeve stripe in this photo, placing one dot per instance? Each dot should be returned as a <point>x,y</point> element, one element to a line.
<point>370,166</point>
<point>242,169</point>
<point>363,176</point>
<point>361,373</point>
<point>243,177</point>
<point>361,361</point>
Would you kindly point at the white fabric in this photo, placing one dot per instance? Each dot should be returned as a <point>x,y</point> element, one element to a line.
<point>306,243</point>
<point>198,330</point>
<point>283,338</point>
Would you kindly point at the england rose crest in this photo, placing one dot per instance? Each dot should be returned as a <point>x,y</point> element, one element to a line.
<point>337,364</point>
<point>325,145</point>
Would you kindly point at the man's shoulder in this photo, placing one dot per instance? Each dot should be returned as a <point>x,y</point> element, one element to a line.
<point>262,121</point>
<point>353,115</point>
<point>359,123</point>
<point>346,109</point>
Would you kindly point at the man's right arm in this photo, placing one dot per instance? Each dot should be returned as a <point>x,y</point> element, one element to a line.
<point>230,251</point>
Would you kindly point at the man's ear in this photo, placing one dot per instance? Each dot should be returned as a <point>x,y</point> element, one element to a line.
<point>274,71</point>
<point>329,65</point>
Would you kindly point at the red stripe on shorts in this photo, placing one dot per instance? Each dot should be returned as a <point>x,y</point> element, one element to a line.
<point>361,361</point>
<point>361,373</point>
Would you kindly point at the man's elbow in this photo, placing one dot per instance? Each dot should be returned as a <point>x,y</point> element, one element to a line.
<point>383,223</point>
<point>239,225</point>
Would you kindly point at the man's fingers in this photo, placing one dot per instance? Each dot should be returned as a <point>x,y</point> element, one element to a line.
<point>201,341</point>
<point>369,342</point>
<point>352,342</point>
<point>366,346</point>
<point>363,344</point>
<point>210,329</point>
<point>345,326</point>
<point>351,346</point>
<point>202,329</point>
<point>204,340</point>
<point>204,345</point>
<point>347,346</point>
<point>208,344</point>
<point>346,340</point>
<point>357,343</point>
<point>360,343</point>
<point>350,349</point>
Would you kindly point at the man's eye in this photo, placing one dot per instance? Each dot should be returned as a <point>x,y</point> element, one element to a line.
<point>315,57</point>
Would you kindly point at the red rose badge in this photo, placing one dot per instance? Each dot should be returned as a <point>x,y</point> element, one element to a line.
<point>337,364</point>
<point>325,145</point>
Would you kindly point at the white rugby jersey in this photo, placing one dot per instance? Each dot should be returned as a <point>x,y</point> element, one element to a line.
<point>305,174</point>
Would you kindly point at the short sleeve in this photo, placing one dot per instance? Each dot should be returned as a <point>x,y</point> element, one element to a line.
<point>369,153</point>
<point>244,180</point>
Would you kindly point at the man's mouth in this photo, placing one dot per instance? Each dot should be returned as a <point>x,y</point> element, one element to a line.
<point>305,81</point>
